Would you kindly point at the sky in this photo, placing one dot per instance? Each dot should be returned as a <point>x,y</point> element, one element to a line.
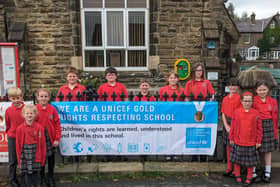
<point>262,8</point>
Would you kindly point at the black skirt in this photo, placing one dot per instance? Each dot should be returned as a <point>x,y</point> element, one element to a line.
<point>268,141</point>
<point>244,155</point>
<point>49,147</point>
<point>27,159</point>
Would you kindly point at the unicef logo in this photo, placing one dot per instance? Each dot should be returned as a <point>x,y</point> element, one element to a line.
<point>78,147</point>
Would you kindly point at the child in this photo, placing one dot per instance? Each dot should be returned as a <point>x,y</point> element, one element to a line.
<point>245,136</point>
<point>13,119</point>
<point>172,87</point>
<point>144,87</point>
<point>229,104</point>
<point>111,86</point>
<point>30,146</point>
<point>268,110</point>
<point>198,85</point>
<point>48,118</point>
<point>71,87</point>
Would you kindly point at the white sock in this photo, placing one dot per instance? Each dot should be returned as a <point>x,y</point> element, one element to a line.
<point>254,172</point>
<point>267,170</point>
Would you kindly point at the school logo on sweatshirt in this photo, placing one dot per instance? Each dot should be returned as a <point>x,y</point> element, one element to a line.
<point>51,117</point>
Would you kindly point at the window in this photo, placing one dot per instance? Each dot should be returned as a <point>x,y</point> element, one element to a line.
<point>272,25</point>
<point>115,33</point>
<point>246,38</point>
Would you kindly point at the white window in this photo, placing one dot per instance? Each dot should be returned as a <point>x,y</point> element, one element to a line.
<point>246,38</point>
<point>115,33</point>
<point>272,25</point>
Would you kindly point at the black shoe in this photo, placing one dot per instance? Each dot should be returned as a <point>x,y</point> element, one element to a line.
<point>51,182</point>
<point>44,182</point>
<point>266,179</point>
<point>228,173</point>
<point>256,179</point>
<point>14,184</point>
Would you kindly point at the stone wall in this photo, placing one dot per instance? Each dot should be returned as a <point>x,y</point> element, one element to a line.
<point>2,24</point>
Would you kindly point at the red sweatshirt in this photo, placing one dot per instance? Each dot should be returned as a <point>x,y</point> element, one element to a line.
<point>144,98</point>
<point>118,88</point>
<point>49,119</point>
<point>170,92</point>
<point>246,127</point>
<point>65,90</point>
<point>203,86</point>
<point>268,110</point>
<point>30,134</point>
<point>13,118</point>
<point>229,104</point>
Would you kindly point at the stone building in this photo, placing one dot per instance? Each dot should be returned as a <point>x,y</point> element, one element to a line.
<point>251,31</point>
<point>142,38</point>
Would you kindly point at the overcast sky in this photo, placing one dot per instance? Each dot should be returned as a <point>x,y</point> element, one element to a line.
<point>262,8</point>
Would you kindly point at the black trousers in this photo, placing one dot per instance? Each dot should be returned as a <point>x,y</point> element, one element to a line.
<point>31,180</point>
<point>51,162</point>
<point>12,159</point>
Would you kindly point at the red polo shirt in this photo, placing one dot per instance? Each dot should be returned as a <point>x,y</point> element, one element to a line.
<point>65,91</point>
<point>170,92</point>
<point>144,98</point>
<point>118,88</point>
<point>229,104</point>
<point>203,86</point>
<point>48,118</point>
<point>246,127</point>
<point>13,118</point>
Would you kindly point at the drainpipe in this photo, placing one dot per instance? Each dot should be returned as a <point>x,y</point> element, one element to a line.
<point>6,25</point>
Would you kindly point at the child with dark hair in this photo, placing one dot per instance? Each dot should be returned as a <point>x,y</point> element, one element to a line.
<point>230,103</point>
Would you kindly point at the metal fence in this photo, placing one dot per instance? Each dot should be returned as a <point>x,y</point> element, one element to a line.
<point>91,95</point>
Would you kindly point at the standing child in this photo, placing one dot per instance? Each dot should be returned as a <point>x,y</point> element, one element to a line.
<point>48,118</point>
<point>245,136</point>
<point>111,86</point>
<point>71,87</point>
<point>144,87</point>
<point>198,85</point>
<point>172,87</point>
<point>13,119</point>
<point>229,104</point>
<point>268,110</point>
<point>30,146</point>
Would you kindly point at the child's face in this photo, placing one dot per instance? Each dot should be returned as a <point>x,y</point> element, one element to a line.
<point>111,77</point>
<point>198,72</point>
<point>172,80</point>
<point>43,98</point>
<point>233,89</point>
<point>72,78</point>
<point>247,101</point>
<point>262,91</point>
<point>29,115</point>
<point>16,100</point>
<point>144,87</point>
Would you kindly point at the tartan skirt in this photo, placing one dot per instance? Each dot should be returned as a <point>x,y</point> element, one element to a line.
<point>268,141</point>
<point>50,149</point>
<point>225,133</point>
<point>244,155</point>
<point>27,159</point>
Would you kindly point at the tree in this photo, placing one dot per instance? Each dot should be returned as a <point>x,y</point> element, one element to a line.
<point>271,38</point>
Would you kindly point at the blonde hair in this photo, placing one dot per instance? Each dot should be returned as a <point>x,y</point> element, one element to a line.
<point>31,107</point>
<point>177,76</point>
<point>43,90</point>
<point>14,91</point>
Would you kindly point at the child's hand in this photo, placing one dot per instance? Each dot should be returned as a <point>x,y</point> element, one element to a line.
<point>258,145</point>
<point>227,128</point>
<point>231,142</point>
<point>55,143</point>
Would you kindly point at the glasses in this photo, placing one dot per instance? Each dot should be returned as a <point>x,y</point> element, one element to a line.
<point>247,101</point>
<point>199,70</point>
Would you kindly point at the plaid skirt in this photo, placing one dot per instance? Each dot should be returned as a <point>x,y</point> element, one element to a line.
<point>244,155</point>
<point>50,149</point>
<point>225,133</point>
<point>268,141</point>
<point>27,159</point>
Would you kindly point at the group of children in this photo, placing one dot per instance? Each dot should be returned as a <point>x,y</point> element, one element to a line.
<point>33,134</point>
<point>250,131</point>
<point>250,123</point>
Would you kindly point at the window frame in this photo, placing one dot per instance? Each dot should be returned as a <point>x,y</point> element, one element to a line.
<point>249,38</point>
<point>104,47</point>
